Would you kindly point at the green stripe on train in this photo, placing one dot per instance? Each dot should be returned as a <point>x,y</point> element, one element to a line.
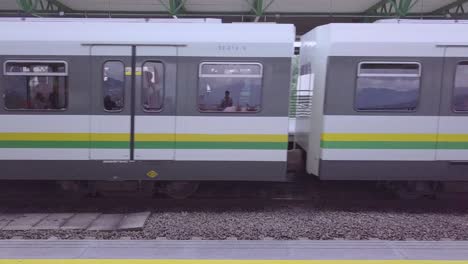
<point>214,145</point>
<point>392,145</point>
<point>144,145</point>
<point>232,145</point>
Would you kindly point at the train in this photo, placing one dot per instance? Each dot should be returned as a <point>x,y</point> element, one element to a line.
<point>182,102</point>
<point>389,103</point>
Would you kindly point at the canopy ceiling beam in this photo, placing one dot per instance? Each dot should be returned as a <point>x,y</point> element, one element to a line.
<point>373,9</point>
<point>37,6</point>
<point>453,9</point>
<point>398,8</point>
<point>259,8</point>
<point>191,14</point>
<point>174,7</point>
<point>60,6</point>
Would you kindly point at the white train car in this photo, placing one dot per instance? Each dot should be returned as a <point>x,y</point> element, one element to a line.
<point>390,101</point>
<point>143,100</point>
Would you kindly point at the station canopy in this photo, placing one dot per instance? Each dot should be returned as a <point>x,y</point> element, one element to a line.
<point>305,14</point>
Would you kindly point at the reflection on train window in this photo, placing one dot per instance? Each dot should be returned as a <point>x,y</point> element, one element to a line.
<point>460,93</point>
<point>36,85</point>
<point>153,86</point>
<point>388,86</point>
<point>230,87</point>
<point>113,85</point>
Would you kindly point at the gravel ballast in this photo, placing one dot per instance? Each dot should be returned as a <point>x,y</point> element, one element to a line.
<point>397,220</point>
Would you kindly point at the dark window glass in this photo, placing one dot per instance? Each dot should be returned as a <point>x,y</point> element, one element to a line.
<point>388,87</point>
<point>396,68</point>
<point>306,69</point>
<point>35,86</point>
<point>230,87</point>
<point>153,86</point>
<point>114,85</point>
<point>460,94</point>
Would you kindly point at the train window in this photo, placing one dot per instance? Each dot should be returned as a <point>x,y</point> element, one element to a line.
<point>230,87</point>
<point>113,85</point>
<point>35,85</point>
<point>388,86</point>
<point>460,93</point>
<point>153,86</point>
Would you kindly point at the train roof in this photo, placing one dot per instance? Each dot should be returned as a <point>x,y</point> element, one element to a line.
<point>387,39</point>
<point>199,38</point>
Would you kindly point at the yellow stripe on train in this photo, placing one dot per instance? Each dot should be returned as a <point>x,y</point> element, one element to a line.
<point>395,137</point>
<point>142,137</point>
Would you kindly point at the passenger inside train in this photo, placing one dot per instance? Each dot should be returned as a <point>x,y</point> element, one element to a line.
<point>230,87</point>
<point>227,101</point>
<point>152,86</point>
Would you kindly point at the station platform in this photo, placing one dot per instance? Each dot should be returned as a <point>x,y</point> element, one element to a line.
<point>230,252</point>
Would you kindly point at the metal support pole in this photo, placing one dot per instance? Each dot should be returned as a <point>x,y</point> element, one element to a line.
<point>175,7</point>
<point>132,104</point>
<point>258,7</point>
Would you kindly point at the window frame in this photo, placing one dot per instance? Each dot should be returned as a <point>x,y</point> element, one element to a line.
<point>163,78</point>
<point>52,74</point>
<point>359,74</point>
<point>452,99</point>
<point>124,86</point>
<point>200,75</point>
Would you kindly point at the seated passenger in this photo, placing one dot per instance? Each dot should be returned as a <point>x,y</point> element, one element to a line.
<point>41,89</point>
<point>54,100</point>
<point>109,104</point>
<point>227,101</point>
<point>39,101</point>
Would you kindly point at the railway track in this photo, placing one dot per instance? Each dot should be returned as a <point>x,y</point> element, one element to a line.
<point>332,212</point>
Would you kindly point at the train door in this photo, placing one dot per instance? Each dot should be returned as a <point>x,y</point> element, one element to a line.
<point>155,93</point>
<point>110,117</point>
<point>452,143</point>
<point>133,98</point>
